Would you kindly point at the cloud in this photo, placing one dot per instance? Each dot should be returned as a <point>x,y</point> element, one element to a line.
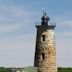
<point>65,34</point>
<point>17,51</point>
<point>68,23</point>
<point>9,28</point>
<point>12,18</point>
<point>64,52</point>
<point>63,28</point>
<point>12,10</point>
<point>63,41</point>
<point>62,21</point>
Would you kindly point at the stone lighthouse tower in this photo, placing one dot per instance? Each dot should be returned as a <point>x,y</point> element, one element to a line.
<point>45,53</point>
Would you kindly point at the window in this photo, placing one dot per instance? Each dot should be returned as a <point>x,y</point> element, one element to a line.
<point>43,37</point>
<point>42,56</point>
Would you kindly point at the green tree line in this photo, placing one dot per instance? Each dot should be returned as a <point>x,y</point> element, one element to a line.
<point>60,69</point>
<point>3,69</point>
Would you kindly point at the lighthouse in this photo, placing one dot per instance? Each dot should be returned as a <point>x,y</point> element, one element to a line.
<point>45,51</point>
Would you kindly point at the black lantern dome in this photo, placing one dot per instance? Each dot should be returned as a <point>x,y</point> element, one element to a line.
<point>45,19</point>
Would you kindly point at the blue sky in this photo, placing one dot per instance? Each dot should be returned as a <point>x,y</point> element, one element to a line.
<point>18,32</point>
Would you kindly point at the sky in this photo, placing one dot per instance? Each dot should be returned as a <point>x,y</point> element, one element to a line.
<point>18,33</point>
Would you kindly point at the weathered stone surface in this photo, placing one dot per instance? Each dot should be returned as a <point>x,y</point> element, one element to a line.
<point>45,54</point>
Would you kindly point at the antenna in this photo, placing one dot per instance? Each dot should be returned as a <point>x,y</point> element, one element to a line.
<point>44,11</point>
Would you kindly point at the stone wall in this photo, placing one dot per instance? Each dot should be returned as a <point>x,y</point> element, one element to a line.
<point>45,54</point>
